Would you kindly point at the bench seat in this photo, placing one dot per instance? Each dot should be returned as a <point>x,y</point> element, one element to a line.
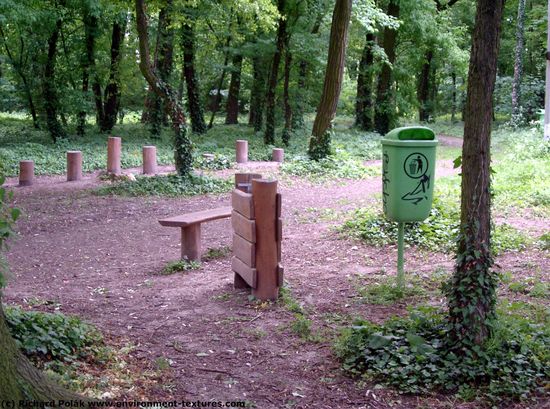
<point>190,224</point>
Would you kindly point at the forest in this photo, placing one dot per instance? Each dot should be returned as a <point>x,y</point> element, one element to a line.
<point>359,188</point>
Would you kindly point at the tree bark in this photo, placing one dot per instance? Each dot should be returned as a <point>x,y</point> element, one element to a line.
<point>232,106</point>
<point>319,144</point>
<point>218,96</point>
<point>363,105</point>
<point>51,102</point>
<point>287,131</point>
<point>453,97</point>
<point>269,135</point>
<point>90,33</point>
<point>384,111</point>
<point>257,93</point>
<point>112,90</point>
<point>472,293</point>
<point>198,125</point>
<point>183,150</point>
<point>423,92</point>
<point>518,63</point>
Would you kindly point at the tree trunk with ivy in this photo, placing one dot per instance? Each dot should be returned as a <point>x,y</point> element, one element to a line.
<point>257,93</point>
<point>363,104</point>
<point>198,125</point>
<point>232,105</point>
<point>112,90</point>
<point>287,130</point>
<point>518,64</point>
<point>472,290</point>
<point>183,149</point>
<point>51,102</point>
<point>90,33</point>
<point>384,111</point>
<point>319,144</point>
<point>269,135</point>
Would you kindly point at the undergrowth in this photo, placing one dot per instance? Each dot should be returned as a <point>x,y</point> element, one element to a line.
<point>438,232</point>
<point>170,185</point>
<point>414,355</point>
<point>180,266</point>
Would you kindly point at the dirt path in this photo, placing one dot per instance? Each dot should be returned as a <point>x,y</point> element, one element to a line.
<point>99,257</point>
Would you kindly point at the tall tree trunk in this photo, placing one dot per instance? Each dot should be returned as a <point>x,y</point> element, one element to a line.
<point>269,135</point>
<point>363,105</point>
<point>218,96</point>
<point>198,125</point>
<point>298,121</point>
<point>164,66</point>
<point>112,90</point>
<point>232,106</point>
<point>51,102</point>
<point>287,131</point>
<point>424,88</point>
<point>518,64</point>
<point>472,293</point>
<point>319,144</point>
<point>257,93</point>
<point>183,148</point>
<point>90,33</point>
<point>384,109</point>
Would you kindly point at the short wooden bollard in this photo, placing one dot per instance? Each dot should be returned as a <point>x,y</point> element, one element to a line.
<point>278,155</point>
<point>26,172</point>
<point>149,160</point>
<point>74,165</point>
<point>242,151</point>
<point>113,155</point>
<point>257,237</point>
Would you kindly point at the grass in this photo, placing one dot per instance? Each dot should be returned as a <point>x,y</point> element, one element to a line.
<point>180,266</point>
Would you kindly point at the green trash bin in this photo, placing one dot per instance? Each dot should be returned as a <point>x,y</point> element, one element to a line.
<point>408,170</point>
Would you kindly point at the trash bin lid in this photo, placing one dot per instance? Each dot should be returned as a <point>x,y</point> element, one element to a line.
<point>410,136</point>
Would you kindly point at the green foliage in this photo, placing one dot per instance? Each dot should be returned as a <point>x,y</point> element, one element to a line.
<point>47,335</point>
<point>544,241</point>
<point>386,291</point>
<point>170,185</point>
<point>218,162</point>
<point>180,266</point>
<point>413,354</point>
<point>301,326</point>
<point>438,232</point>
<point>8,216</point>
<point>286,298</point>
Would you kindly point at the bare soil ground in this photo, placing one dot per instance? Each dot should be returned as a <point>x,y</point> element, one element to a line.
<point>100,258</point>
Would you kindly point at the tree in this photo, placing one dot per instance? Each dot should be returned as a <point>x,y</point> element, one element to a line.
<point>198,125</point>
<point>384,112</point>
<point>183,150</point>
<point>319,144</point>
<point>518,62</point>
<point>471,294</point>
<point>269,135</point>
<point>232,106</point>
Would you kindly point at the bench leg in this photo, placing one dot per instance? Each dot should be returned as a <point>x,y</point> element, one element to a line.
<point>191,242</point>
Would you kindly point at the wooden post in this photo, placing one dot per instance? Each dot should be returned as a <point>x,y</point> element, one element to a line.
<point>243,181</point>
<point>278,155</point>
<point>26,172</point>
<point>74,165</point>
<point>264,196</point>
<point>242,151</point>
<point>113,155</point>
<point>149,160</point>
<point>191,242</point>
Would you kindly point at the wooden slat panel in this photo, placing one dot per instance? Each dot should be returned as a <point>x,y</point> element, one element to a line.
<point>245,178</point>
<point>196,217</point>
<point>279,199</point>
<point>244,227</point>
<point>244,250</point>
<point>247,273</point>
<point>279,232</point>
<point>280,275</point>
<point>242,203</point>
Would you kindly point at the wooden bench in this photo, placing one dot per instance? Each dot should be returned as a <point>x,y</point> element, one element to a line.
<point>190,224</point>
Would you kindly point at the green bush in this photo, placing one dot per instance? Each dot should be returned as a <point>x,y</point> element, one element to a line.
<point>170,185</point>
<point>414,355</point>
<point>438,232</point>
<point>51,335</point>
